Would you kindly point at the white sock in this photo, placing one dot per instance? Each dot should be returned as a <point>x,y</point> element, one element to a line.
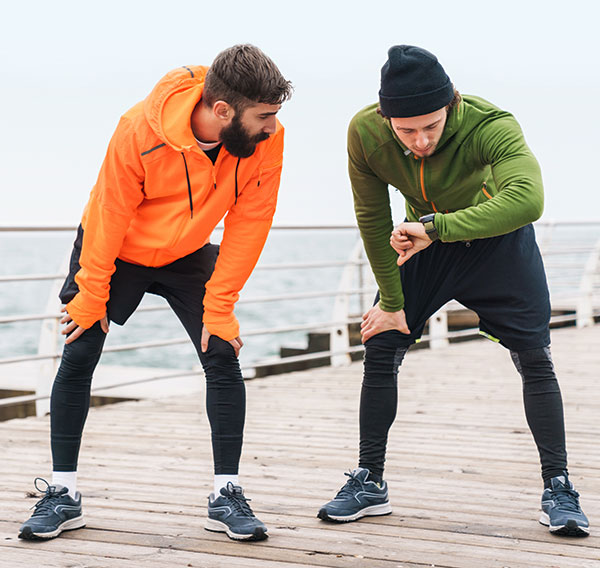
<point>222,481</point>
<point>67,479</point>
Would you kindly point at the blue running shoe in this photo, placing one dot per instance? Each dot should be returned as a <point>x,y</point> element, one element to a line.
<point>54,513</point>
<point>231,514</point>
<point>358,498</point>
<point>561,511</point>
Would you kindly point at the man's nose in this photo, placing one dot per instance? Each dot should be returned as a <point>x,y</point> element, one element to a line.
<point>270,126</point>
<point>421,140</point>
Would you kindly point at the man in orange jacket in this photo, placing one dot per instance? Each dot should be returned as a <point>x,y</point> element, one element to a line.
<point>203,144</point>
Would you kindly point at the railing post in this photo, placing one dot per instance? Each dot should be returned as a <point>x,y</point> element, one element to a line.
<point>585,302</point>
<point>438,329</point>
<point>339,341</point>
<point>48,345</point>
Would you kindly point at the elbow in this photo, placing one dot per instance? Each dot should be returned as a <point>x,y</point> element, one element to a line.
<point>533,210</point>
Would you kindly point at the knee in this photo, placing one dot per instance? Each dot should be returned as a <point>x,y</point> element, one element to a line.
<point>81,356</point>
<point>220,362</point>
<point>533,361</point>
<point>535,366</point>
<point>381,363</point>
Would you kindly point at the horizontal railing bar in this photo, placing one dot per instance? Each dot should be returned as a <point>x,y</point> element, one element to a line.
<point>542,223</point>
<point>566,250</point>
<point>300,265</point>
<point>187,373</point>
<point>29,277</point>
<point>557,266</point>
<point>29,317</point>
<point>287,266</point>
<point>178,341</point>
<point>259,299</point>
<point>304,327</point>
<point>37,229</point>
<point>278,361</point>
<point>324,264</point>
<point>63,228</point>
<point>25,358</point>
<point>307,295</point>
<point>250,333</point>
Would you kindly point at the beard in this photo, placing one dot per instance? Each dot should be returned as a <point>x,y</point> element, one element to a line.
<point>237,141</point>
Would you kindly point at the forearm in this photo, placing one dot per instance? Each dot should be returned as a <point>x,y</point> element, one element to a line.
<point>243,241</point>
<point>374,219</point>
<point>507,211</point>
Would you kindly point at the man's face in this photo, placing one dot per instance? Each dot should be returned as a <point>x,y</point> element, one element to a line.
<point>255,124</point>
<point>421,134</point>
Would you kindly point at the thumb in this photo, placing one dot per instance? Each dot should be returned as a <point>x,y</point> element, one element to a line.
<point>104,324</point>
<point>204,340</point>
<point>403,258</point>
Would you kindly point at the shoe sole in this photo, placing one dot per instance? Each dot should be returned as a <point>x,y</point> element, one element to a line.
<point>70,525</point>
<point>372,511</point>
<point>571,528</point>
<point>218,526</point>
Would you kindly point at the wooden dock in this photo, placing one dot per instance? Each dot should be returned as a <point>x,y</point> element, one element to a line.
<point>462,469</point>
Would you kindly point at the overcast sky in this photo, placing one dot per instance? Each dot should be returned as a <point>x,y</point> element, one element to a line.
<point>70,69</point>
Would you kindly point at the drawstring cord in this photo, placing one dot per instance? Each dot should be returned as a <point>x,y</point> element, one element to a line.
<point>187,177</point>
<point>189,185</point>
<point>236,181</point>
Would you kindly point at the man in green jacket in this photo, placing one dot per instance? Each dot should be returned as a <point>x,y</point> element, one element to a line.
<point>472,189</point>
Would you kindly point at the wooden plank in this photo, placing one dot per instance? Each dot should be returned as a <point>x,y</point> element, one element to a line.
<point>463,471</point>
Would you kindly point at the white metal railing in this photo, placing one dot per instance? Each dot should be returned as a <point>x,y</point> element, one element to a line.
<point>356,282</point>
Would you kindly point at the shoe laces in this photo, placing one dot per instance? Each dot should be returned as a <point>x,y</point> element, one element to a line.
<point>45,504</point>
<point>566,498</point>
<point>351,487</point>
<point>238,500</point>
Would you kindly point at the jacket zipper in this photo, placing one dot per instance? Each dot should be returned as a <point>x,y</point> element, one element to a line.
<point>422,183</point>
<point>484,190</point>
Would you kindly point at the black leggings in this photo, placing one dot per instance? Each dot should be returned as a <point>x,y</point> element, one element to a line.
<point>225,397</point>
<point>379,396</point>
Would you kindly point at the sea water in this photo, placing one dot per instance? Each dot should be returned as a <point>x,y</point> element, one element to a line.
<point>45,253</point>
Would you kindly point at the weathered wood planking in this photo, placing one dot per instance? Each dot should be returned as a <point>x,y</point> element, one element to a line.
<point>462,470</point>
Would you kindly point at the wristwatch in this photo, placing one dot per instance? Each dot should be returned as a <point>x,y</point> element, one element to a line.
<point>429,225</point>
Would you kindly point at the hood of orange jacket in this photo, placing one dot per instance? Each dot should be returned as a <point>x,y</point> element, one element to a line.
<point>158,198</point>
<point>169,106</point>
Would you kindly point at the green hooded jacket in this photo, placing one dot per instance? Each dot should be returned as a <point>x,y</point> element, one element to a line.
<point>481,181</point>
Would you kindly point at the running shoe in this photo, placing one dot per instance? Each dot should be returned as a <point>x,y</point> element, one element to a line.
<point>561,511</point>
<point>54,513</point>
<point>230,513</point>
<point>358,498</point>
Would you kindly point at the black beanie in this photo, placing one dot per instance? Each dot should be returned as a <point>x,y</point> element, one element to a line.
<point>413,83</point>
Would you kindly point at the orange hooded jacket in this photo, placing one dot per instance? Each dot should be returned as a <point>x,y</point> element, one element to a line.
<point>158,198</point>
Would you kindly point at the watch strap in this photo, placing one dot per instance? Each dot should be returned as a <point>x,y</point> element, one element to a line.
<point>429,225</point>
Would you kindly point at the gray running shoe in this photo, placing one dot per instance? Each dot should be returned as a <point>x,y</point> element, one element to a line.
<point>231,514</point>
<point>561,512</point>
<point>54,513</point>
<point>358,498</point>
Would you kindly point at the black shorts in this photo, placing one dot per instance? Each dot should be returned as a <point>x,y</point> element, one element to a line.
<point>501,278</point>
<point>181,282</point>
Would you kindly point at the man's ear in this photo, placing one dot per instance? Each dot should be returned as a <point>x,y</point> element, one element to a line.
<point>223,111</point>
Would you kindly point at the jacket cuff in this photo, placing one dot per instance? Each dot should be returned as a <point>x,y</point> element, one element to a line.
<point>82,317</point>
<point>227,328</point>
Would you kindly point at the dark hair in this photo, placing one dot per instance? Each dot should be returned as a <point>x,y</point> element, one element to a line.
<point>243,75</point>
<point>453,103</point>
